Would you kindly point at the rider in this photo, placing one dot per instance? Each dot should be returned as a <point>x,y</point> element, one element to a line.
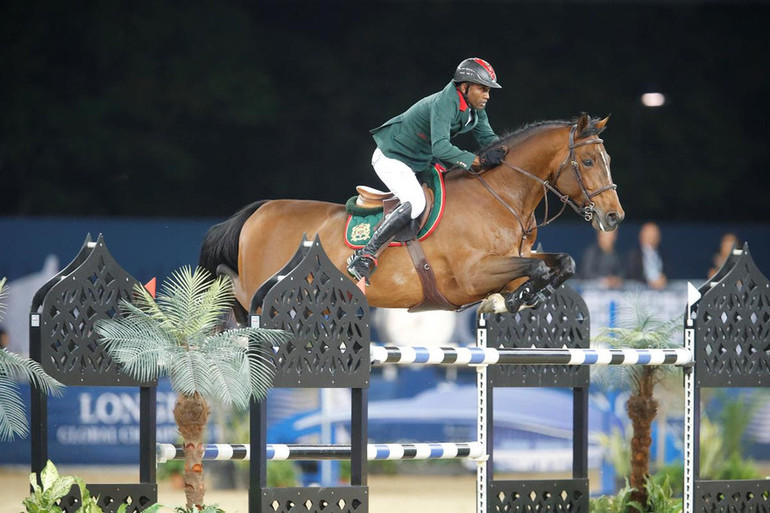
<point>409,143</point>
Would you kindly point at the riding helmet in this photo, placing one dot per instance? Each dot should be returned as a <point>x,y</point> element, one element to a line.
<point>477,71</point>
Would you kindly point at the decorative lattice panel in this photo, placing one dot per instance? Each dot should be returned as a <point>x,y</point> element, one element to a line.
<point>70,350</point>
<point>138,497</point>
<point>732,329</point>
<point>328,317</point>
<point>562,321</point>
<point>344,499</point>
<point>567,495</point>
<point>732,496</point>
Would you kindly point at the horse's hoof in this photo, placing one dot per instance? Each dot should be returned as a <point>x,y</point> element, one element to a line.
<point>493,303</point>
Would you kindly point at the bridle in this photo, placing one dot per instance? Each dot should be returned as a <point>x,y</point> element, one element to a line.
<point>586,210</point>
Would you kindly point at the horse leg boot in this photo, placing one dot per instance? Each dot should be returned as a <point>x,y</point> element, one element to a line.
<point>363,262</point>
<point>537,290</point>
<point>526,295</point>
<point>562,267</point>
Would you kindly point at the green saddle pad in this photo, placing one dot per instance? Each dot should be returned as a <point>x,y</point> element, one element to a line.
<point>362,221</point>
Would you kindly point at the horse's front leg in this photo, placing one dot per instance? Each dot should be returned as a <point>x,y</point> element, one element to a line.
<point>545,273</point>
<point>561,267</point>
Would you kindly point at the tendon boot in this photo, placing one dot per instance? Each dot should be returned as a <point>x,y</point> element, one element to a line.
<point>519,298</point>
<point>526,297</point>
<point>363,262</point>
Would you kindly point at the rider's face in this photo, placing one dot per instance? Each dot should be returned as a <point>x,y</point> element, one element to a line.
<point>477,95</point>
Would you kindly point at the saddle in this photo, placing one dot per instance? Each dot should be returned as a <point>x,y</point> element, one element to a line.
<point>376,201</point>
<point>367,210</point>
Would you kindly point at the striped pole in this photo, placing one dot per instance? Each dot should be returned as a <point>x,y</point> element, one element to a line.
<point>281,452</point>
<point>510,356</point>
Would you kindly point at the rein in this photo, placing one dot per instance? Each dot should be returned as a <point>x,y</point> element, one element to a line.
<point>587,210</point>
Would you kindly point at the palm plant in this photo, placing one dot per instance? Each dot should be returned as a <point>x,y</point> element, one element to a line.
<point>639,328</point>
<point>15,368</point>
<point>180,336</point>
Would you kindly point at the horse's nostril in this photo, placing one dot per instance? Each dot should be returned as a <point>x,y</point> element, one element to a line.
<point>613,218</point>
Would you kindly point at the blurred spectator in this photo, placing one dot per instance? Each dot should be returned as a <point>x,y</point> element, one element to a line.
<point>4,339</point>
<point>728,242</point>
<point>645,262</point>
<point>600,262</point>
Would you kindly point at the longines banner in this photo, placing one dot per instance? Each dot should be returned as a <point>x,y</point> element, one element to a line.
<point>96,425</point>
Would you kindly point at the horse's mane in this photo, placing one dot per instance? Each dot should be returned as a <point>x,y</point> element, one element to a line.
<point>512,138</point>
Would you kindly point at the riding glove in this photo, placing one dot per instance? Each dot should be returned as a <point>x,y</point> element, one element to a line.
<point>492,157</point>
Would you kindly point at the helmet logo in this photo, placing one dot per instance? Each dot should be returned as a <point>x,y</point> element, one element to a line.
<point>484,64</point>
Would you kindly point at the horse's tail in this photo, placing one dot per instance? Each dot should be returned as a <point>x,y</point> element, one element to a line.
<point>219,249</point>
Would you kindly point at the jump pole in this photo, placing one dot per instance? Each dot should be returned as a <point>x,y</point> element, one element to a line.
<point>283,452</point>
<point>398,355</point>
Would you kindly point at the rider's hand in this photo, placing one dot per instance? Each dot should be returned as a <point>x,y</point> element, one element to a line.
<point>492,157</point>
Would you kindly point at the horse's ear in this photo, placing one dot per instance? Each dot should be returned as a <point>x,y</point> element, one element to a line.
<point>583,122</point>
<point>601,125</point>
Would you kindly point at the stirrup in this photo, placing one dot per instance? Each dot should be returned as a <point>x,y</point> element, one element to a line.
<point>361,266</point>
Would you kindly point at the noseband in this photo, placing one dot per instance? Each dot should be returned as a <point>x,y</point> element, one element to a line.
<point>586,210</point>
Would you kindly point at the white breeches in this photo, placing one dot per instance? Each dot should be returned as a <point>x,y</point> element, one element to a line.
<point>400,180</point>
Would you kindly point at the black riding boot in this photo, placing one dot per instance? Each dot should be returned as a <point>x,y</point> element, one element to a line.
<point>363,262</point>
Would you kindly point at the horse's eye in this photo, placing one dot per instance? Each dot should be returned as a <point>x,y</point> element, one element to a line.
<point>588,162</point>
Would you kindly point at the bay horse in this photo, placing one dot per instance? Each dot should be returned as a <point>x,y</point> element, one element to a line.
<point>481,251</point>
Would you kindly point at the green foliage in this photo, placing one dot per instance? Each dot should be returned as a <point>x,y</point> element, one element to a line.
<point>617,449</point>
<point>13,368</point>
<point>211,508</point>
<point>282,474</point>
<point>637,328</point>
<point>735,417</point>
<point>46,496</point>
<point>620,503</point>
<point>660,495</point>
<point>674,474</point>
<point>711,448</point>
<point>735,467</point>
<point>384,467</point>
<point>721,456</point>
<point>180,336</point>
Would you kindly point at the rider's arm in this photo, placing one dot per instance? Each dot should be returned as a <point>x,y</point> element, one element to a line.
<point>482,132</point>
<point>444,110</point>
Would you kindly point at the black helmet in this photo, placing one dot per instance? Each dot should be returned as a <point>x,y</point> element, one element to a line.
<point>477,71</point>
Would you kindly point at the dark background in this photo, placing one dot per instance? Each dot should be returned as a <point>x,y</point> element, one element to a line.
<point>196,108</point>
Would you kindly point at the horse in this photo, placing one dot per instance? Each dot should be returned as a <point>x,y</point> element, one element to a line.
<point>480,252</point>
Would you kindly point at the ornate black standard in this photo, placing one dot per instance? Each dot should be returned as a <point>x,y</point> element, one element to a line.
<point>328,317</point>
<point>562,321</point>
<point>63,341</point>
<point>728,329</point>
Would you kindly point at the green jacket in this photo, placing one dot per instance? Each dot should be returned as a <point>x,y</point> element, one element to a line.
<point>423,132</point>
